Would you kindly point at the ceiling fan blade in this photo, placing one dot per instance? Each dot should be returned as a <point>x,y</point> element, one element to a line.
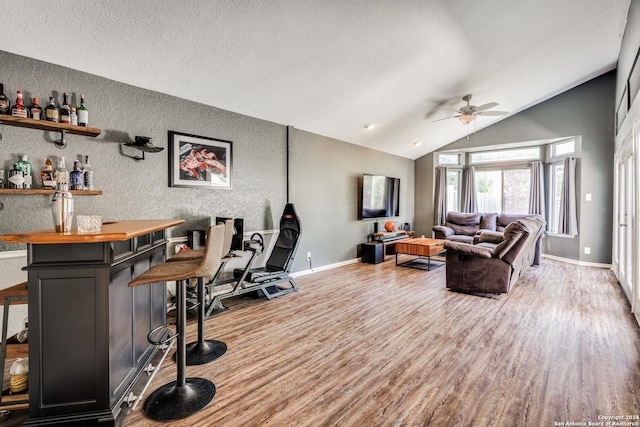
<point>445,118</point>
<point>486,106</point>
<point>492,113</point>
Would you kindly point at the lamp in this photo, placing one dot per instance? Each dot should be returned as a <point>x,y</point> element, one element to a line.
<point>467,118</point>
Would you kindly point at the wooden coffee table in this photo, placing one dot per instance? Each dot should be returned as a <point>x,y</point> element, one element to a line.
<point>421,247</point>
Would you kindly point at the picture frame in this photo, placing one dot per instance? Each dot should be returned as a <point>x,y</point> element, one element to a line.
<point>199,161</point>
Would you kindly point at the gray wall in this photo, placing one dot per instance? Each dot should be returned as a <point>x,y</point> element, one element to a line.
<point>587,111</point>
<point>324,188</point>
<point>323,170</point>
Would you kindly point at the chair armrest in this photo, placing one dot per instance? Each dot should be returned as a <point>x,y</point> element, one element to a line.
<point>491,237</point>
<point>467,249</point>
<point>443,230</point>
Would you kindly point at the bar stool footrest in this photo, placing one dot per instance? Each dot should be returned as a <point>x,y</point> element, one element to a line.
<point>167,338</point>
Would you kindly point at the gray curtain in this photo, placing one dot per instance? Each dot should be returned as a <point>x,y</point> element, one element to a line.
<point>469,199</point>
<point>536,192</point>
<point>567,221</point>
<point>441,195</point>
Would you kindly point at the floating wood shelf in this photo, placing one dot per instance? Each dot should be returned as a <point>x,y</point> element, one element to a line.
<point>49,126</point>
<point>44,191</point>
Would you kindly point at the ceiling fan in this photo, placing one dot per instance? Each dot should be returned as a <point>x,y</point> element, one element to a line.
<point>468,113</point>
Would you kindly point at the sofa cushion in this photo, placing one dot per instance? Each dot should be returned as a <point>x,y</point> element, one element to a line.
<point>490,237</point>
<point>489,221</point>
<point>505,219</point>
<point>461,238</point>
<point>466,224</point>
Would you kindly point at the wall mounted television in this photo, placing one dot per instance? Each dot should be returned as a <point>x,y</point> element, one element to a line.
<point>379,197</point>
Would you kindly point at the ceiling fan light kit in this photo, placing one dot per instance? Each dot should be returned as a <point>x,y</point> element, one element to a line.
<point>468,113</point>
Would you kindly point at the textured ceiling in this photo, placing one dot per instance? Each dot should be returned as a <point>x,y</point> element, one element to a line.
<point>331,66</point>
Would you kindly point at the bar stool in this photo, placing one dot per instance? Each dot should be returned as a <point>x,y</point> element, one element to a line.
<point>185,396</point>
<point>204,351</point>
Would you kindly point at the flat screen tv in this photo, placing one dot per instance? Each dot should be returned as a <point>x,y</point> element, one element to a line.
<point>380,197</point>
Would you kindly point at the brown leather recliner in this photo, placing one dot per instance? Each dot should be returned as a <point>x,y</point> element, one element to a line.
<point>480,269</point>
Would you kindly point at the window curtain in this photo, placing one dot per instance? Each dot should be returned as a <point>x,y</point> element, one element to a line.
<point>441,195</point>
<point>469,199</point>
<point>567,221</point>
<point>536,192</point>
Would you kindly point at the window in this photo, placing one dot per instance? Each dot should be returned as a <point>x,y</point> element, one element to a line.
<point>529,153</point>
<point>564,148</point>
<point>557,173</point>
<point>453,190</point>
<point>449,159</point>
<point>504,190</point>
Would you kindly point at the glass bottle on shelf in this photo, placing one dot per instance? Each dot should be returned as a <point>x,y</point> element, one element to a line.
<point>62,175</point>
<point>15,178</point>
<point>88,174</point>
<point>36,110</point>
<point>19,376</point>
<point>19,110</point>
<point>25,167</point>
<point>65,111</point>
<point>83,113</point>
<point>5,108</point>
<point>48,176</point>
<point>74,117</point>
<point>22,336</point>
<point>76,179</point>
<point>51,112</point>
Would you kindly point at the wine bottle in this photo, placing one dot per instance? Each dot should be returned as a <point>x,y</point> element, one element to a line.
<point>88,174</point>
<point>51,112</point>
<point>16,178</point>
<point>19,109</point>
<point>25,167</point>
<point>74,117</point>
<point>65,111</point>
<point>22,336</point>
<point>5,108</point>
<point>48,176</point>
<point>83,113</point>
<point>76,177</point>
<point>62,175</point>
<point>36,110</point>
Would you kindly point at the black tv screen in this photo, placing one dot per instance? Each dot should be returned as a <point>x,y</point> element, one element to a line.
<point>380,197</point>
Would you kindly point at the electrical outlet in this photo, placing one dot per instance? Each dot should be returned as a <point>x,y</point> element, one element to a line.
<point>308,256</point>
<point>587,250</point>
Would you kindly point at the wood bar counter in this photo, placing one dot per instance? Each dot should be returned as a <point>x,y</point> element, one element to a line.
<point>87,328</point>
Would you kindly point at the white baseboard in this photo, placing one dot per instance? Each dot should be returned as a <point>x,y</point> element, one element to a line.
<point>324,267</point>
<point>573,261</point>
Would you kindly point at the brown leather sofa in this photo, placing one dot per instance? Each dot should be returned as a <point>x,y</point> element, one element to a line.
<point>491,266</point>
<point>467,227</point>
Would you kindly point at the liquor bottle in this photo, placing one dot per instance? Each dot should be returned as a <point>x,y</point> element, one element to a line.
<point>83,113</point>
<point>88,174</point>
<point>76,179</point>
<point>16,178</point>
<point>48,176</point>
<point>51,112</point>
<point>25,167</point>
<point>62,175</point>
<point>19,109</point>
<point>65,111</point>
<point>74,116</point>
<point>36,110</point>
<point>5,108</point>
<point>19,376</point>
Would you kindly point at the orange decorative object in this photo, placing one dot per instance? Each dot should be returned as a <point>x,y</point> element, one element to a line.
<point>390,226</point>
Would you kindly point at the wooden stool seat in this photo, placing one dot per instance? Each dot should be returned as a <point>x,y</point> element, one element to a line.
<point>185,396</point>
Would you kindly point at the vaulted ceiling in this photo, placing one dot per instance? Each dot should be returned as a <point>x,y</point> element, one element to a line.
<point>333,66</point>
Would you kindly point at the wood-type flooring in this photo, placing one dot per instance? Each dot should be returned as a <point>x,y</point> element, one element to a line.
<point>380,345</point>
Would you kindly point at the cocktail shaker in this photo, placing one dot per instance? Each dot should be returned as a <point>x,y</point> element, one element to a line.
<point>62,209</point>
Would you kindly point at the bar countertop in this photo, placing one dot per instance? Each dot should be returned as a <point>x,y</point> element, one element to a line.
<point>111,231</point>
